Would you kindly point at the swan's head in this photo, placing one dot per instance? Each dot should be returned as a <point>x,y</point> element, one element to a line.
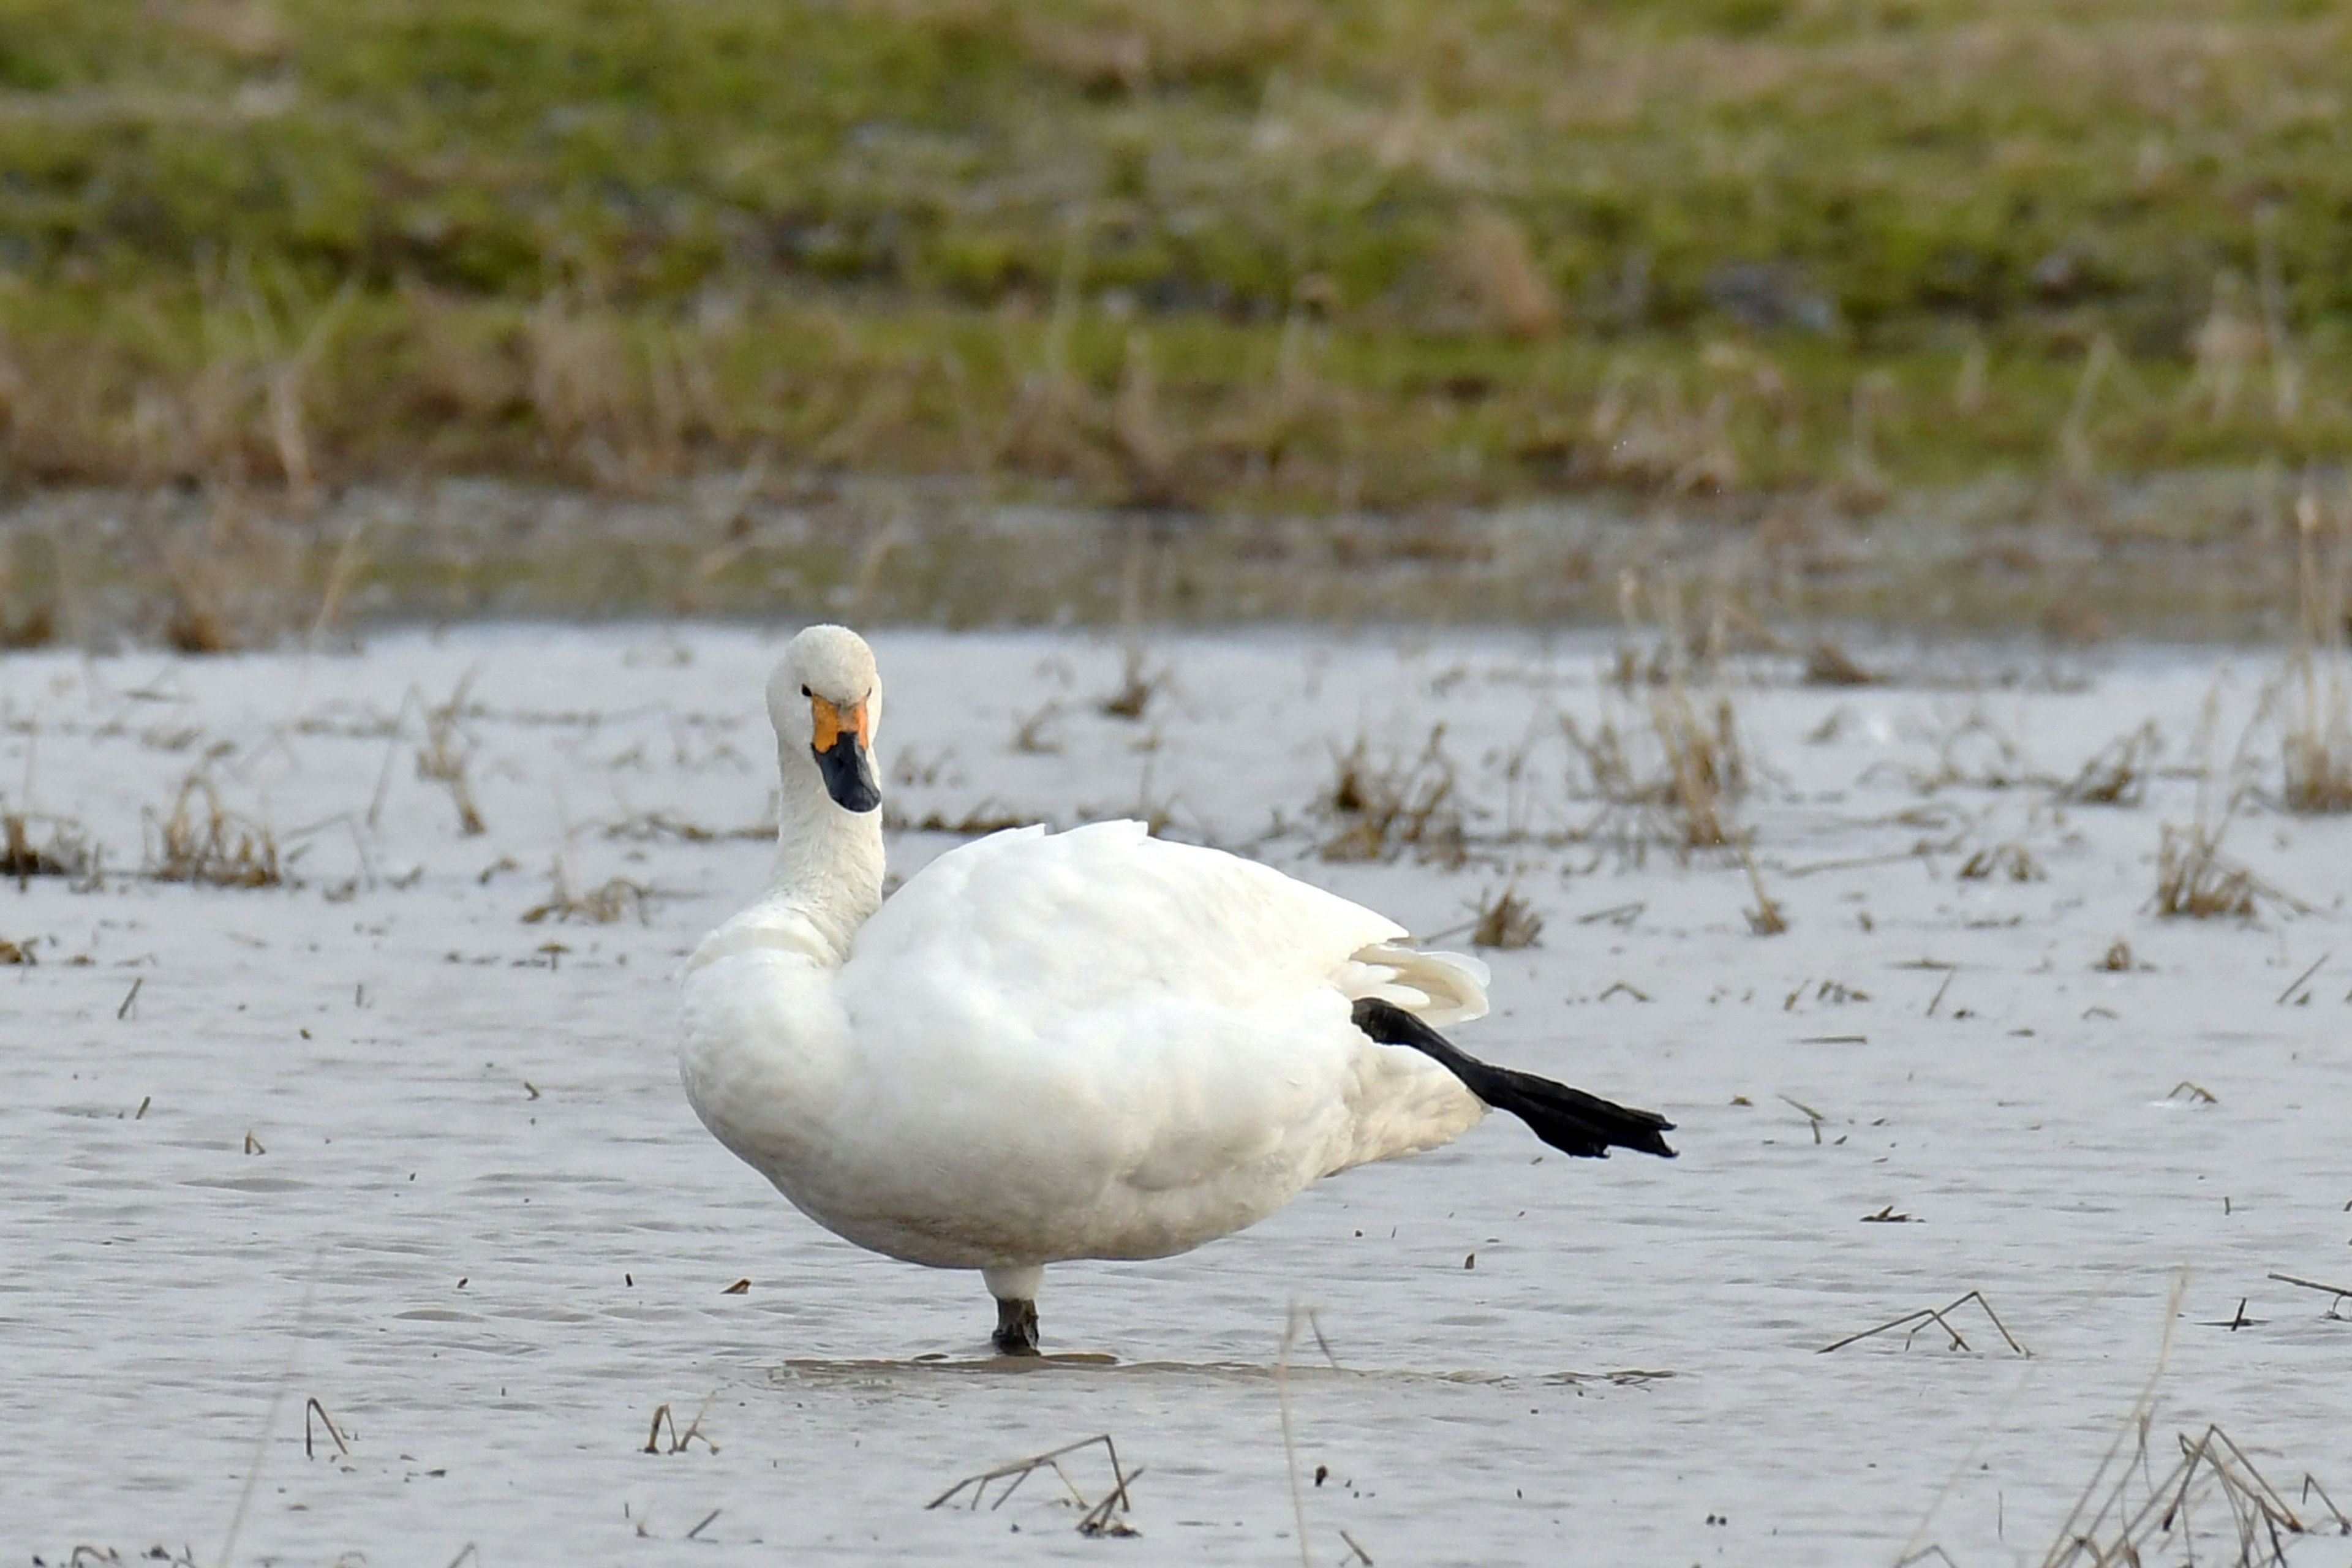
<point>827,696</point>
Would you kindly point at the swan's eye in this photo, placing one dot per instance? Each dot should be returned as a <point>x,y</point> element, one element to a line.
<point>806,692</point>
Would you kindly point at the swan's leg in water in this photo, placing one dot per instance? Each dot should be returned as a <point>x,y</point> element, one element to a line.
<point>1015,1291</point>
<point>1016,1328</point>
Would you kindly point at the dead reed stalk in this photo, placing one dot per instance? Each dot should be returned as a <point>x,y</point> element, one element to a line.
<point>2254,1519</point>
<point>2316,749</point>
<point>1098,1518</point>
<point>444,756</point>
<point>1941,1317</point>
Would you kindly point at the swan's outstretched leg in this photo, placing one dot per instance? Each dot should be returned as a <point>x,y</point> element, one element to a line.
<point>1015,1291</point>
<point>1569,1119</point>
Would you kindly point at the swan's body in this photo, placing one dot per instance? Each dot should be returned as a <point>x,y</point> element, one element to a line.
<point>1092,1044</point>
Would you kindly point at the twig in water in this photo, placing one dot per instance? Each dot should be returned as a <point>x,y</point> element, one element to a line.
<point>2310,1485</point>
<point>2258,1511</point>
<point>1289,1431</point>
<point>1937,1000</point>
<point>679,1438</point>
<point>2074,1533</point>
<point>2198,1093</point>
<point>1021,1470</point>
<point>1356,1548</point>
<point>1811,1116</point>
<point>312,1407</point>
<point>1938,1316</point>
<point>1765,918</point>
<point>1101,1518</point>
<point>2339,1293</point>
<point>706,1518</point>
<point>2297,984</point>
<point>129,997</point>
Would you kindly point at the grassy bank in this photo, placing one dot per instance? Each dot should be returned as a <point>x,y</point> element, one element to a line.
<point>1256,256</point>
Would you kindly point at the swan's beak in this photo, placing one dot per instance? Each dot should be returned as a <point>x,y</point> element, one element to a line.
<point>841,745</point>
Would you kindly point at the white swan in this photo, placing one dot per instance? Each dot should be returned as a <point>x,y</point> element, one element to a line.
<point>1090,1044</point>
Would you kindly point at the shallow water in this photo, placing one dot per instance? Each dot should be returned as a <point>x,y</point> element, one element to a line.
<point>480,1225</point>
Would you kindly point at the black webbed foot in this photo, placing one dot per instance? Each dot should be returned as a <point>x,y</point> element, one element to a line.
<point>1016,1328</point>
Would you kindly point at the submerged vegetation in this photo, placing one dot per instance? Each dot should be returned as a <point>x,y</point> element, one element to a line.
<point>1174,253</point>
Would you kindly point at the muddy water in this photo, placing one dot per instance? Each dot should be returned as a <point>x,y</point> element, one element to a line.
<point>2186,556</point>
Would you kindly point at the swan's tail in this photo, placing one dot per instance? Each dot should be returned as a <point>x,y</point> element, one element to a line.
<point>1567,1119</point>
<point>1439,987</point>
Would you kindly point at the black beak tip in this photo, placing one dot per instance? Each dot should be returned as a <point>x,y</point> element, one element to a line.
<point>848,775</point>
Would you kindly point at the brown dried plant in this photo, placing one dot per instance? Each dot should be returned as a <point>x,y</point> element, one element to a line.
<point>1506,919</point>
<point>2193,877</point>
<point>445,755</point>
<point>200,840</point>
<point>600,905</point>
<point>2009,862</point>
<point>1701,767</point>
<point>67,853</point>
<point>2316,745</point>
<point>2117,773</point>
<point>1381,809</point>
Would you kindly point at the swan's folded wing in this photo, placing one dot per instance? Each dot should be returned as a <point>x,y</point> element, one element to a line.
<point>1050,926</point>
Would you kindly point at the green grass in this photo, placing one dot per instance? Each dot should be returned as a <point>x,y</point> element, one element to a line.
<point>1190,252</point>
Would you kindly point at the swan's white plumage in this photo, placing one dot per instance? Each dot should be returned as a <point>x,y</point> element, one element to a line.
<point>1052,1046</point>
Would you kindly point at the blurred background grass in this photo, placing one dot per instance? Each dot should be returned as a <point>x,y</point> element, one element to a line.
<point>1225,255</point>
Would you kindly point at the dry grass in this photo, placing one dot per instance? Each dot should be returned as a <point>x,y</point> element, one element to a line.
<point>2195,880</point>
<point>2317,744</point>
<point>65,850</point>
<point>1973,752</point>
<point>200,840</point>
<point>984,818</point>
<point>1037,734</point>
<point>2118,772</point>
<point>2193,877</point>
<point>1504,919</point>
<point>446,754</point>
<point>600,905</point>
<point>1767,917</point>
<point>1828,664</point>
<point>2011,862</point>
<point>1137,685</point>
<point>1678,776</point>
<point>2212,1505</point>
<point>1380,809</point>
<point>1183,252</point>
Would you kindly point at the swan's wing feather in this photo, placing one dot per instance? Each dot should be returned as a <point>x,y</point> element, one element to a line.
<point>1062,924</point>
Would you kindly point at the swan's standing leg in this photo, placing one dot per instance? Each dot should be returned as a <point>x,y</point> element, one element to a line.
<point>1015,1291</point>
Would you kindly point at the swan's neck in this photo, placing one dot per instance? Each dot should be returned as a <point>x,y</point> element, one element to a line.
<point>828,861</point>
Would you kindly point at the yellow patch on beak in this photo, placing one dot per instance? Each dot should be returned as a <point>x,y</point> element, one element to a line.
<point>832,720</point>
